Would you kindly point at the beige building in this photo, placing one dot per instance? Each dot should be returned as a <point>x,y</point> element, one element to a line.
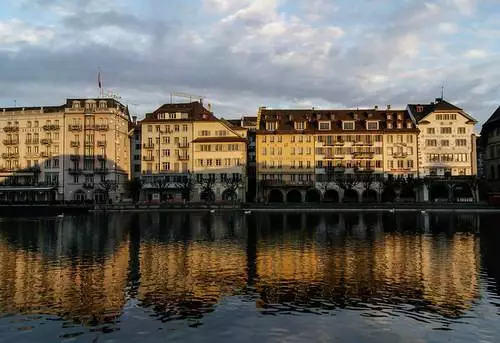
<point>312,155</point>
<point>447,142</point>
<point>77,151</point>
<point>185,140</point>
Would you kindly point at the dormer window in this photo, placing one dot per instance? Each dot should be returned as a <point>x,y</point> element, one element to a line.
<point>400,125</point>
<point>271,126</point>
<point>400,116</point>
<point>389,125</point>
<point>102,104</point>
<point>348,125</point>
<point>408,125</point>
<point>325,125</point>
<point>389,116</point>
<point>372,125</point>
<point>172,116</point>
<point>420,108</point>
<point>76,104</point>
<point>300,125</point>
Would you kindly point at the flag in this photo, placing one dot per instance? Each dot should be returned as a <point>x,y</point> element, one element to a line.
<point>99,79</point>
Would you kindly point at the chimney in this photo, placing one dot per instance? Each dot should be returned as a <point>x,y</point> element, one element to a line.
<point>332,116</point>
<point>209,107</point>
<point>438,100</point>
<point>376,107</point>
<point>388,107</point>
<point>134,119</point>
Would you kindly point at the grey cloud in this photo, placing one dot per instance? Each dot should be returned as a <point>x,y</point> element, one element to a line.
<point>239,82</point>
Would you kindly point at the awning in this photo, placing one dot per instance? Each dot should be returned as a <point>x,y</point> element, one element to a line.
<point>21,188</point>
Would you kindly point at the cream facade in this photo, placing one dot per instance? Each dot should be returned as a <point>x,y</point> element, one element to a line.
<point>185,140</point>
<point>447,142</point>
<point>65,152</point>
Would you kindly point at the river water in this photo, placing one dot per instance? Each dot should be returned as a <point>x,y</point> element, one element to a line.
<point>229,277</point>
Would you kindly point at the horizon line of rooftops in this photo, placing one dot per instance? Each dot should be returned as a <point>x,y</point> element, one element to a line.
<point>198,110</point>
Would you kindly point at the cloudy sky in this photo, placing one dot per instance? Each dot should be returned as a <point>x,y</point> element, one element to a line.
<point>242,54</point>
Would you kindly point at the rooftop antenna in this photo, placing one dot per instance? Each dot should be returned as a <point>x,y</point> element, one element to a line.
<point>186,95</point>
<point>442,92</point>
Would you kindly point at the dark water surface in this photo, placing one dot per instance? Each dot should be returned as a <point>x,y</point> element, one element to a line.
<point>192,277</point>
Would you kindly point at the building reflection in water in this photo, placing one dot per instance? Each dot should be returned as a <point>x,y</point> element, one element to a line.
<point>181,265</point>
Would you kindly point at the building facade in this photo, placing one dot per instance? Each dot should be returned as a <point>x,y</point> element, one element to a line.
<point>447,142</point>
<point>75,152</point>
<point>331,155</point>
<point>185,146</point>
<point>135,149</point>
<point>490,142</point>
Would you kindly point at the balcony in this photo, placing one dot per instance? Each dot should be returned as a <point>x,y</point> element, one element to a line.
<point>101,170</point>
<point>400,155</point>
<point>183,157</point>
<point>11,129</point>
<point>334,143</point>
<point>88,143</point>
<point>334,157</point>
<point>101,157</point>
<point>148,158</point>
<point>148,146</point>
<point>287,183</point>
<point>101,127</point>
<point>101,143</point>
<point>363,155</point>
<point>360,143</point>
<point>88,185</point>
<point>75,127</point>
<point>10,141</point>
<point>46,141</point>
<point>51,127</point>
<point>74,171</point>
<point>10,155</point>
<point>44,154</point>
<point>74,157</point>
<point>183,145</point>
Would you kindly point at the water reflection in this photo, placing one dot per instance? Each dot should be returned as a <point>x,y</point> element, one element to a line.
<point>180,266</point>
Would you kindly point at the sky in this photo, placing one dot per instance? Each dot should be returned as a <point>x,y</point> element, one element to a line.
<point>242,54</point>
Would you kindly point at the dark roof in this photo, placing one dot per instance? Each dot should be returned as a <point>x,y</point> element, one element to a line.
<point>219,139</point>
<point>195,111</point>
<point>235,122</point>
<point>420,111</point>
<point>494,118</point>
<point>287,117</point>
<point>249,121</point>
<point>46,109</point>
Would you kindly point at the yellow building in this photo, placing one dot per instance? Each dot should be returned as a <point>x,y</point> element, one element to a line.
<point>185,140</point>
<point>65,152</point>
<point>447,142</point>
<point>330,155</point>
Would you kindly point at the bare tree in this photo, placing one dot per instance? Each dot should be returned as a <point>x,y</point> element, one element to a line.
<point>231,185</point>
<point>185,187</point>
<point>106,187</point>
<point>346,181</point>
<point>134,188</point>
<point>161,183</point>
<point>474,184</point>
<point>207,184</point>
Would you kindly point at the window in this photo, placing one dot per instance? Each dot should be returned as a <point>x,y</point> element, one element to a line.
<point>390,139</point>
<point>264,151</point>
<point>150,128</point>
<point>218,162</point>
<point>409,139</point>
<point>176,128</point>
<point>292,139</point>
<point>372,125</point>
<point>410,163</point>
<point>431,131</point>
<point>446,130</point>
<point>28,124</point>
<point>300,125</point>
<point>445,142</point>
<point>347,125</point>
<point>401,164</point>
<point>461,142</point>
<point>184,128</point>
<point>324,125</point>
<point>431,142</point>
<point>271,126</point>
<point>461,130</point>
